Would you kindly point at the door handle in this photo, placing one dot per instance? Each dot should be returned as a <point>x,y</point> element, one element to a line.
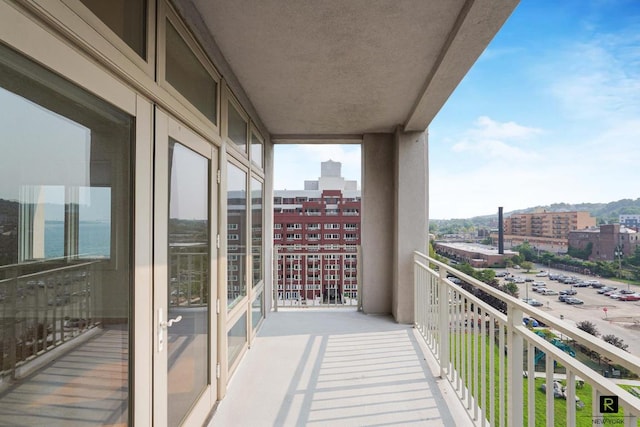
<point>170,322</point>
<point>162,325</point>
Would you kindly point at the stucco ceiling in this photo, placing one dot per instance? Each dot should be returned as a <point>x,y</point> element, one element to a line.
<point>348,67</point>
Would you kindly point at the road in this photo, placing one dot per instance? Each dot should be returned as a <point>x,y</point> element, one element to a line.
<point>621,318</point>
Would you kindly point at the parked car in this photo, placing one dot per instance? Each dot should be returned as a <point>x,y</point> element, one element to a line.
<point>573,301</point>
<point>581,285</point>
<point>606,289</point>
<point>563,297</point>
<point>535,303</point>
<point>549,292</point>
<point>530,322</point>
<point>540,283</point>
<point>595,284</point>
<point>568,292</point>
<point>629,297</point>
<point>542,274</point>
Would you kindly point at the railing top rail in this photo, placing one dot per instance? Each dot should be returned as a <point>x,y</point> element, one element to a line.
<point>51,270</point>
<point>617,355</point>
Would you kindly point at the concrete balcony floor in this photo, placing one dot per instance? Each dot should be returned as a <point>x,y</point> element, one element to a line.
<point>337,367</point>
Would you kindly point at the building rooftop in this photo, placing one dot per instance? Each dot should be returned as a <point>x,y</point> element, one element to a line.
<point>313,193</point>
<point>474,247</point>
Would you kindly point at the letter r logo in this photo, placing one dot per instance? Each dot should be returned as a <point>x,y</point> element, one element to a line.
<point>608,404</point>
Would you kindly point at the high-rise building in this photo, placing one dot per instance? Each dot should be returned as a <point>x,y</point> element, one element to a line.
<point>317,231</point>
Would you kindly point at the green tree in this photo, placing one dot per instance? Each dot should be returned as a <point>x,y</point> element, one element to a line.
<point>614,340</point>
<point>511,289</point>
<point>526,252</point>
<point>635,258</point>
<point>588,327</point>
<point>527,265</point>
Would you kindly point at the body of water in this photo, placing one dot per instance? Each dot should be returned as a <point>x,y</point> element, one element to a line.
<point>94,239</point>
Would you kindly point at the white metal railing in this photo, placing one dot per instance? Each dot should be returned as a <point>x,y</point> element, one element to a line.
<point>489,356</point>
<point>317,275</point>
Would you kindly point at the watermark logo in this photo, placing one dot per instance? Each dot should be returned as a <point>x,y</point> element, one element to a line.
<point>608,404</point>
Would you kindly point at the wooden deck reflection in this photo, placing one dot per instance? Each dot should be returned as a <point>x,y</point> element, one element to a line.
<point>87,386</point>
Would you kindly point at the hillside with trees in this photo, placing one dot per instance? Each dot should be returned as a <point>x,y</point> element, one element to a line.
<point>605,213</point>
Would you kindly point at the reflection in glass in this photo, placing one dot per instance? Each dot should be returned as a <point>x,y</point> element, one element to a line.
<point>237,338</point>
<point>237,128</point>
<point>256,150</point>
<point>257,310</point>
<point>236,234</point>
<point>256,230</point>
<point>65,238</point>
<point>126,18</point>
<point>188,76</point>
<point>188,288</point>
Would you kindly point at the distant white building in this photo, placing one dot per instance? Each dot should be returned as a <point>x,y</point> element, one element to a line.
<point>630,220</point>
<point>331,179</point>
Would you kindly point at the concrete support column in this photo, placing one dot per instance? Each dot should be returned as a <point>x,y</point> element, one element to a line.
<point>411,216</point>
<point>377,222</point>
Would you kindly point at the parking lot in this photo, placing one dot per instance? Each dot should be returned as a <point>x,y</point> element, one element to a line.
<point>620,318</point>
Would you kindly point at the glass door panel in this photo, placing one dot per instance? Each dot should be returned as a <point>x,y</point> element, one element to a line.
<point>186,344</point>
<point>189,246</point>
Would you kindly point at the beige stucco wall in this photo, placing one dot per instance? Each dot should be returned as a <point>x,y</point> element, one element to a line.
<point>378,156</point>
<point>411,223</point>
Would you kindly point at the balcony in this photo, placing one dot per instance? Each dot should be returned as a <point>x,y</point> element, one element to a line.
<point>337,368</point>
<point>458,365</point>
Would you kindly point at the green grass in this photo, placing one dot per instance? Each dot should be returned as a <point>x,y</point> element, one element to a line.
<point>583,415</point>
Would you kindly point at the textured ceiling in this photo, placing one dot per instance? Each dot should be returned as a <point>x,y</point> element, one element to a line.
<point>345,67</point>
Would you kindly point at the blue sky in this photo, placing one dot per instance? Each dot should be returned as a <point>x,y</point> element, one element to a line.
<point>549,113</point>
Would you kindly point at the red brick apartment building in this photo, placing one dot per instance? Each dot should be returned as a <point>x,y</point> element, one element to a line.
<point>607,241</point>
<point>317,233</point>
<point>547,231</point>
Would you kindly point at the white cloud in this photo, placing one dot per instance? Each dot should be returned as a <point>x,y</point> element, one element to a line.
<point>488,128</point>
<point>598,80</point>
<point>565,168</point>
<point>494,140</point>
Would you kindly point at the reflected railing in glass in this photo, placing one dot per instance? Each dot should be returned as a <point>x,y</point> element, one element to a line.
<point>42,306</point>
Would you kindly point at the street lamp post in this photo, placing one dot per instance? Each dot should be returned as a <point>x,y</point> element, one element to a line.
<point>618,253</point>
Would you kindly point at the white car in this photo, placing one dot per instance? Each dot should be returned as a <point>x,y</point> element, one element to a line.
<point>549,292</point>
<point>542,274</point>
